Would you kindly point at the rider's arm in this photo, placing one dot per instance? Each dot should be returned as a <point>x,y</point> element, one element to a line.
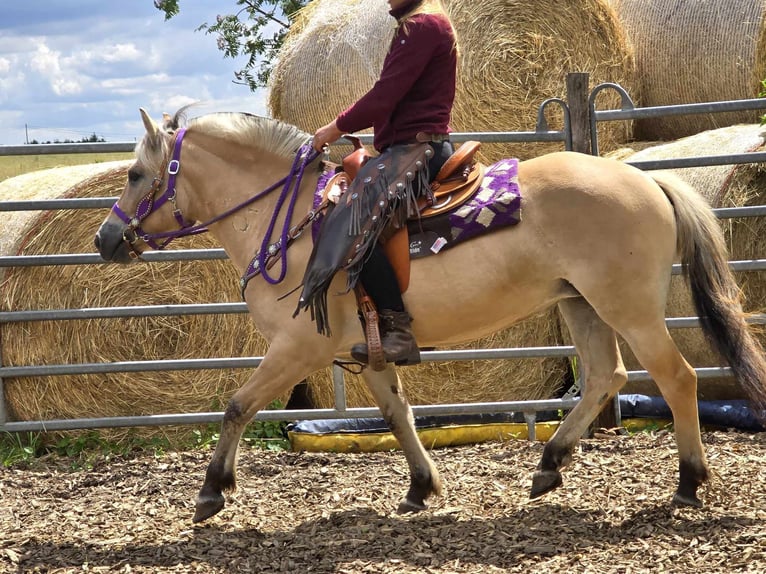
<point>409,55</point>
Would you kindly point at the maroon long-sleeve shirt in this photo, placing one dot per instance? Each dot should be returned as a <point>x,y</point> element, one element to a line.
<point>416,87</point>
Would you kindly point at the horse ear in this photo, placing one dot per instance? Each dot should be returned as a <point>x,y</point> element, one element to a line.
<point>151,127</point>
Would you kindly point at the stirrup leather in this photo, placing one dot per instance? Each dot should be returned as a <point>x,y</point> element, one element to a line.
<point>369,314</point>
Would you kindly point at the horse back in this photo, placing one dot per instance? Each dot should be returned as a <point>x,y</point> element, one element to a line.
<point>573,187</point>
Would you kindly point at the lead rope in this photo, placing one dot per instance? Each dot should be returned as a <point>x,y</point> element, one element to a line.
<point>260,262</point>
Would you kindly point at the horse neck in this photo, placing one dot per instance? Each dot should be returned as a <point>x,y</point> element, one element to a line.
<point>227,175</point>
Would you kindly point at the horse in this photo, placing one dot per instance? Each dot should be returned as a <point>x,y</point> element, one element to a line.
<point>598,239</point>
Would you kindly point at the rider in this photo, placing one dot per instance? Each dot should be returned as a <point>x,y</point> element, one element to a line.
<point>411,102</point>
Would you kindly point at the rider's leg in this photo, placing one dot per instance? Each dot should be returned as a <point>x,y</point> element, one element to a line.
<point>442,152</point>
<point>379,280</point>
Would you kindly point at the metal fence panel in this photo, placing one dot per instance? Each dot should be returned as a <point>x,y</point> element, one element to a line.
<point>529,408</point>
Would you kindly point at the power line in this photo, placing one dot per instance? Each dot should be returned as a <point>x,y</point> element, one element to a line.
<point>79,132</point>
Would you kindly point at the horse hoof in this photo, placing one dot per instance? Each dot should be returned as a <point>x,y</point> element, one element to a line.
<point>543,481</point>
<point>409,507</point>
<point>682,500</point>
<point>208,506</point>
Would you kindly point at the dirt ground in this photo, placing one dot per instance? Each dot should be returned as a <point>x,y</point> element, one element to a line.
<point>317,512</point>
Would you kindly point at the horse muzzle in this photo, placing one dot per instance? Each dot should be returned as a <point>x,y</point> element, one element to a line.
<point>115,242</point>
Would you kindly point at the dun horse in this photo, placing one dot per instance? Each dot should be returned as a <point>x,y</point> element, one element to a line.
<point>598,239</point>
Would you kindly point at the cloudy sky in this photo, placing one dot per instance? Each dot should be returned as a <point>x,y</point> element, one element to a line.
<point>71,68</point>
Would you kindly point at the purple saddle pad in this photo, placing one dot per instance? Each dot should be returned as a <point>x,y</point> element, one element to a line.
<point>496,204</point>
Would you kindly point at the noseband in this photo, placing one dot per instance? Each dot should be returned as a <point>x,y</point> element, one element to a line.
<point>149,204</point>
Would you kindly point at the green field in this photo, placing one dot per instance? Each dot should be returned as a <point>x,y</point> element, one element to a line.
<point>11,166</point>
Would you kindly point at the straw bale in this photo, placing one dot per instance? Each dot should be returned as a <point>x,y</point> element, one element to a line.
<point>45,184</point>
<point>723,186</point>
<point>111,340</point>
<point>690,52</point>
<point>334,50</point>
<point>514,55</point>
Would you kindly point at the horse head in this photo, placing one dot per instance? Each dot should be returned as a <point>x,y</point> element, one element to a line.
<point>147,207</point>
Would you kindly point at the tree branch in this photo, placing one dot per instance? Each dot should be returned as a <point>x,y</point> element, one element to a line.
<point>269,16</point>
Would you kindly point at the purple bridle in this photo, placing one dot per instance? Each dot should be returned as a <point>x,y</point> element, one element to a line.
<point>148,205</point>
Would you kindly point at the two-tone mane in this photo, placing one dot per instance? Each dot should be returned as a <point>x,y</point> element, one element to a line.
<point>249,130</point>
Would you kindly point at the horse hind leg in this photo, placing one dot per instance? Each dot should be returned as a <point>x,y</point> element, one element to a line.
<point>604,375</point>
<point>657,352</point>
<point>387,390</point>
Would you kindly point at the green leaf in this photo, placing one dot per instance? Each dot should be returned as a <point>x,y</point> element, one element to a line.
<point>248,32</point>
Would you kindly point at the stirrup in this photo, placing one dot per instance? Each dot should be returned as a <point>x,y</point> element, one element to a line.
<point>409,361</point>
<point>363,356</point>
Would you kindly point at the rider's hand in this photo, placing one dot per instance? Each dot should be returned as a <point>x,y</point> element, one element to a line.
<point>326,135</point>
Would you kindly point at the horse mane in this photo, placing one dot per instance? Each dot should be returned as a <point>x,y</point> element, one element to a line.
<point>250,130</point>
<point>245,129</point>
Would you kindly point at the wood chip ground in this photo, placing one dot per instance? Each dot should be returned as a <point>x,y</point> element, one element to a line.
<point>323,512</point>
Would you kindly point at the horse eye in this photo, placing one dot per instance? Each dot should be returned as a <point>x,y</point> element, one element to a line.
<point>133,176</point>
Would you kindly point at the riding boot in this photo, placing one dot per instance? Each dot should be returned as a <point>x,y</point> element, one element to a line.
<point>399,345</point>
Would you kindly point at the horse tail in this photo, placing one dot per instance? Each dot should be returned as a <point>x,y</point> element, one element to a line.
<point>716,295</point>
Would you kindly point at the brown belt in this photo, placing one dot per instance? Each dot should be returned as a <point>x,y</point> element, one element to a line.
<point>423,137</point>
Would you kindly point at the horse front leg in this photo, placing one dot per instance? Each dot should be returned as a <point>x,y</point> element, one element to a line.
<point>387,390</point>
<point>275,375</point>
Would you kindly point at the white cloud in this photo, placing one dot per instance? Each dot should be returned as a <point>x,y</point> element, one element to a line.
<point>121,53</point>
<point>174,102</point>
<point>45,60</point>
<point>65,86</point>
<point>11,78</point>
<point>83,66</point>
<point>48,63</point>
<point>135,85</point>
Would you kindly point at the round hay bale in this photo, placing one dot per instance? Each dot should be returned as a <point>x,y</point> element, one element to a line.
<point>723,186</point>
<point>333,48</point>
<point>691,52</point>
<point>42,184</point>
<point>513,56</point>
<point>111,340</point>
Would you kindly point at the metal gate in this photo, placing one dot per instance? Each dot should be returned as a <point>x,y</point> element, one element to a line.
<point>579,133</point>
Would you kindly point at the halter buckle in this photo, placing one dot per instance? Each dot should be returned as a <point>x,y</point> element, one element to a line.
<point>174,166</point>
